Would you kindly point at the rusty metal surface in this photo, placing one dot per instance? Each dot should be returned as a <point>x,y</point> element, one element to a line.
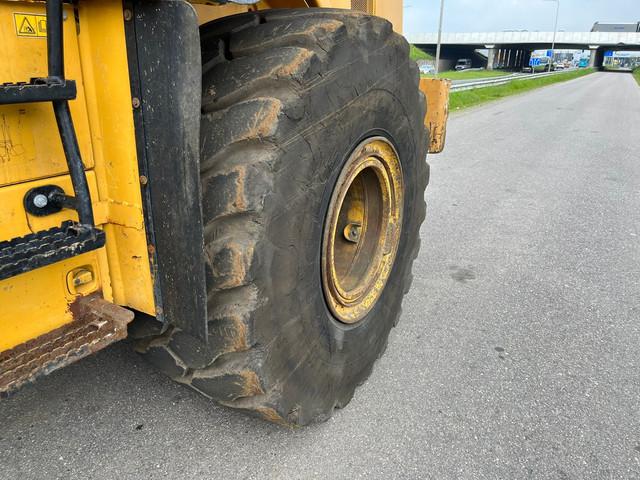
<point>362,230</point>
<point>437,93</point>
<point>97,324</point>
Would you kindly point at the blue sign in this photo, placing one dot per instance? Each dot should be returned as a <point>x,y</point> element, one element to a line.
<point>549,53</point>
<point>608,53</point>
<point>534,62</point>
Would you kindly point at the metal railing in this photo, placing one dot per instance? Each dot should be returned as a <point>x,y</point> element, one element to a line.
<point>501,80</point>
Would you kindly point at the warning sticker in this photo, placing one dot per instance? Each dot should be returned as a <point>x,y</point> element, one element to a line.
<point>30,25</point>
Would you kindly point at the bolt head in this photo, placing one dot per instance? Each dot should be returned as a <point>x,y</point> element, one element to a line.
<point>352,232</point>
<point>40,200</point>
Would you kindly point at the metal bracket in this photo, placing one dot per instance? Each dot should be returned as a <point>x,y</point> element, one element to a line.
<point>47,200</point>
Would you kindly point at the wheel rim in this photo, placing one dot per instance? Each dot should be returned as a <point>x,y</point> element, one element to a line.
<point>362,230</point>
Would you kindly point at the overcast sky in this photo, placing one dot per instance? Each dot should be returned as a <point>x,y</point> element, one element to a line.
<point>498,15</point>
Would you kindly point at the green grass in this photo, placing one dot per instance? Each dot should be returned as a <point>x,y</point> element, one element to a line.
<point>417,54</point>
<point>470,98</point>
<point>469,74</point>
<point>636,74</point>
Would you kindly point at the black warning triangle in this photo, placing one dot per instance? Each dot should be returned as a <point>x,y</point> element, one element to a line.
<point>26,27</point>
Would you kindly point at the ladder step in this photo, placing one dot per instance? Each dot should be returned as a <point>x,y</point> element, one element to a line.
<point>97,324</point>
<point>37,90</point>
<point>36,250</point>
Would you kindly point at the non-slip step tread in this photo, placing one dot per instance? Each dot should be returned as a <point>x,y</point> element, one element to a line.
<point>37,90</point>
<point>24,254</point>
<point>97,323</point>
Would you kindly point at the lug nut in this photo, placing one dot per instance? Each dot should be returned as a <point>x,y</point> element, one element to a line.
<point>352,232</point>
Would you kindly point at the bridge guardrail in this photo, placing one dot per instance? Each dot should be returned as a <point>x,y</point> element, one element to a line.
<point>500,81</point>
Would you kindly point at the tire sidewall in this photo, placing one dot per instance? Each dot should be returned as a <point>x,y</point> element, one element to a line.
<point>336,355</point>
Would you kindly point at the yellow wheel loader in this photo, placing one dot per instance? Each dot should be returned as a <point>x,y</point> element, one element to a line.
<point>245,179</point>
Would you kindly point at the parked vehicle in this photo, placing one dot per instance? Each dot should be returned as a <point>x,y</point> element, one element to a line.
<point>540,64</point>
<point>427,69</point>
<point>463,64</point>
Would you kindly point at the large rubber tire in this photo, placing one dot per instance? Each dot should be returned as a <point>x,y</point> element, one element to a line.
<point>287,95</point>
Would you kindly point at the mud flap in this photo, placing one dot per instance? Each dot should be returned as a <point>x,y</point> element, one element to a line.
<point>163,45</point>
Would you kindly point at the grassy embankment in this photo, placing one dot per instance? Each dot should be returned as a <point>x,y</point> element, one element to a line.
<point>636,74</point>
<point>470,98</point>
<point>417,54</point>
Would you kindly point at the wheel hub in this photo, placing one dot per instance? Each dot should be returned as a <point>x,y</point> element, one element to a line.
<point>362,230</point>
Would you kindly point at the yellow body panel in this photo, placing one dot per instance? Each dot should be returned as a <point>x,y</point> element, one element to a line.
<point>29,147</point>
<point>391,10</point>
<point>36,302</point>
<point>104,64</point>
<point>31,155</point>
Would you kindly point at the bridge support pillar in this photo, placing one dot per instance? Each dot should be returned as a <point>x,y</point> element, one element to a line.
<point>491,57</point>
<point>592,58</point>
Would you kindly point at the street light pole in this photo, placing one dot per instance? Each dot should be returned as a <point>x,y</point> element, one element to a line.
<point>555,31</point>
<point>439,37</point>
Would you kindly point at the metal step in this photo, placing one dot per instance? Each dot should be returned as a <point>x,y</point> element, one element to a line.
<point>37,90</point>
<point>97,324</point>
<point>40,249</point>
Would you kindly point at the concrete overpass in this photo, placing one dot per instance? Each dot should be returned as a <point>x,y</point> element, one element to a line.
<point>513,49</point>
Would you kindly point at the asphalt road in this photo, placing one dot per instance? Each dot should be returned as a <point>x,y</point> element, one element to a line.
<point>518,353</point>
